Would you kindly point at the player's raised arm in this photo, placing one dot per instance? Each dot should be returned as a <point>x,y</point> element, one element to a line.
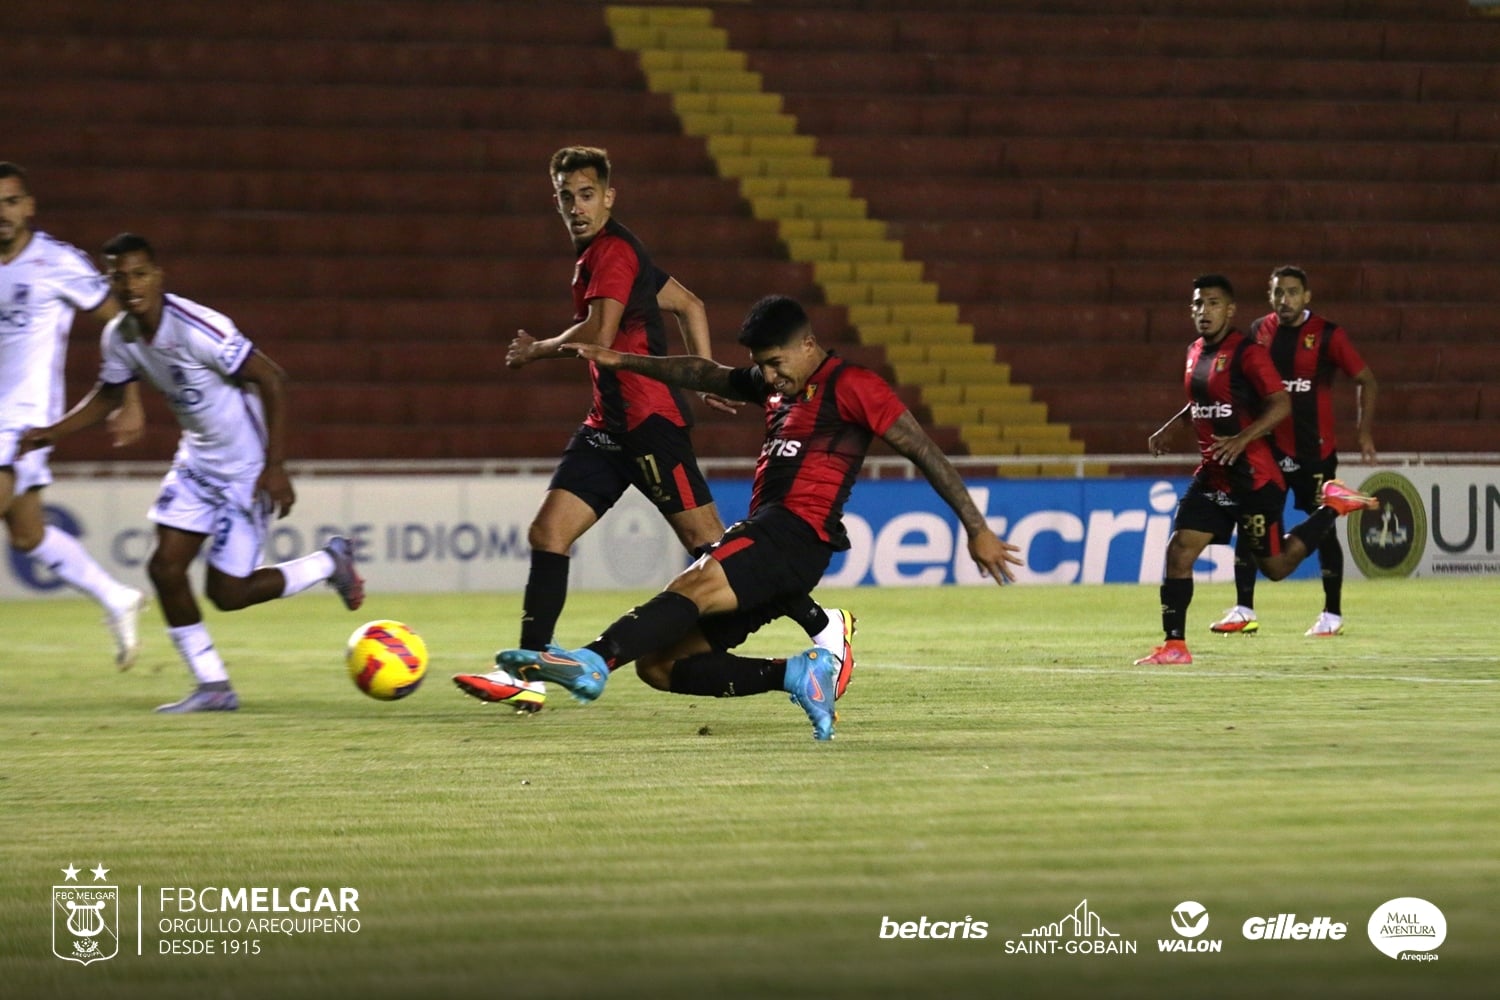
<point>598,327</point>
<point>703,374</point>
<point>692,318</point>
<point>993,554</point>
<point>91,410</point>
<point>1157,443</point>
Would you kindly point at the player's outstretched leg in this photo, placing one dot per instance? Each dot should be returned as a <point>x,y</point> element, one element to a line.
<point>203,698</point>
<point>811,681</point>
<point>1238,620</point>
<point>841,644</point>
<point>1337,495</point>
<point>345,578</point>
<point>582,671</point>
<point>501,686</point>
<point>124,625</point>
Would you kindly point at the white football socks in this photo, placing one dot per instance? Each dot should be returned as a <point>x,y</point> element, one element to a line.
<point>198,652</point>
<point>303,573</point>
<point>61,553</point>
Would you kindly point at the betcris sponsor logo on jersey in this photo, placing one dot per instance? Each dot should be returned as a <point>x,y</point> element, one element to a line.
<point>1211,411</point>
<point>1069,531</point>
<point>1297,384</point>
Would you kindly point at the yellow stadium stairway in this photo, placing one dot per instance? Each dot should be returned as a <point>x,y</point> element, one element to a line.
<point>855,262</point>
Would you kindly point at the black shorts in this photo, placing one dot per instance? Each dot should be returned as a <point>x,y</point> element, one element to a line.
<point>656,458</point>
<point>1304,480</point>
<point>1256,514</point>
<point>770,559</point>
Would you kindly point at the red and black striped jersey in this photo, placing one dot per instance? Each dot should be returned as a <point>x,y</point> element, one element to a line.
<point>1306,356</point>
<point>615,266</point>
<point>817,440</point>
<point>1226,385</point>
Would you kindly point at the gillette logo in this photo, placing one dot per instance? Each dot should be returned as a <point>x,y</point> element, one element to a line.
<point>1212,411</point>
<point>1286,927</point>
<point>1297,384</point>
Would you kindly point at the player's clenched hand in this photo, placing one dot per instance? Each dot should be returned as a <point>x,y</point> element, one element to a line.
<point>995,556</point>
<point>604,357</point>
<point>1227,450</point>
<point>33,438</point>
<point>276,484</point>
<point>520,353</point>
<point>1157,443</point>
<point>716,402</point>
<point>126,426</point>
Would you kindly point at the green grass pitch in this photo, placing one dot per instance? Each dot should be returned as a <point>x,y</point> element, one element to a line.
<point>998,759</point>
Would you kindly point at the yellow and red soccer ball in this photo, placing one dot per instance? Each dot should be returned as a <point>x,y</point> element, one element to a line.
<point>386,659</point>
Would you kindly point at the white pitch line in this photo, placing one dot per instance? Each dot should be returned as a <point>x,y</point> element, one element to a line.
<point>1134,671</point>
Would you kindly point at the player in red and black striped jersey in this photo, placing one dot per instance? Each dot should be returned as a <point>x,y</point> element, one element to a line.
<point>636,431</point>
<point>1307,350</point>
<point>1235,399</point>
<point>822,414</point>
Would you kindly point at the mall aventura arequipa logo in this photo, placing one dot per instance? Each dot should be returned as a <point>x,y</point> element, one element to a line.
<point>85,917</point>
<point>1081,932</point>
<point>1408,928</point>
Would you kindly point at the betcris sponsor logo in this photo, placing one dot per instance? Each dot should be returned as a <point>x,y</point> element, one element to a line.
<point>1297,384</point>
<point>901,533</point>
<point>1211,411</point>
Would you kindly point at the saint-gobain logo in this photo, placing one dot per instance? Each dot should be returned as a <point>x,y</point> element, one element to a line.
<point>1389,542</point>
<point>1408,928</point>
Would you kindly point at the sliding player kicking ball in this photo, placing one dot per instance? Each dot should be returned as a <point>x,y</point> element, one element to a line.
<point>822,414</point>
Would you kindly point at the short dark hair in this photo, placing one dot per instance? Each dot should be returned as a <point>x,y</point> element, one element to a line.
<point>125,243</point>
<point>1290,271</point>
<point>773,322</point>
<point>9,169</point>
<point>572,158</point>
<point>1214,281</point>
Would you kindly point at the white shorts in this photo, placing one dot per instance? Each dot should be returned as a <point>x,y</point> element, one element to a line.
<point>31,469</point>
<point>230,512</point>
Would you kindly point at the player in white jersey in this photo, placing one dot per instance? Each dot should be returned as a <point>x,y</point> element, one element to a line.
<point>44,282</point>
<point>228,474</point>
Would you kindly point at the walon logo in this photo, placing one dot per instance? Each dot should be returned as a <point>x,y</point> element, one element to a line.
<point>1190,920</point>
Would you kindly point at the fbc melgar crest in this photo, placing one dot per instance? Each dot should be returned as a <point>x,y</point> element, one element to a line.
<point>386,659</point>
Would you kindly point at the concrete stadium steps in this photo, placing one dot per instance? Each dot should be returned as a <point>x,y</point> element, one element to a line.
<point>217,145</point>
<point>687,58</point>
<point>461,21</point>
<point>1053,167</point>
<point>433,278</point>
<point>1135,158</point>
<point>863,72</point>
<point>1145,240</point>
<point>533,237</point>
<point>335,104</point>
<point>897,113</point>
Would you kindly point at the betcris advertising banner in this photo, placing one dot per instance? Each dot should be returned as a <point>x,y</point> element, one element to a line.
<point>461,533</point>
<point>1069,531</point>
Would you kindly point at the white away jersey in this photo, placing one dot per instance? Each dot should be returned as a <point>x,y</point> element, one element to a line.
<point>192,360</point>
<point>40,291</point>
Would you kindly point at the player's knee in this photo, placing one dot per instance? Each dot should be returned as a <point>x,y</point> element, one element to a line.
<point>655,670</point>
<point>165,572</point>
<point>543,537</point>
<point>1275,570</point>
<point>228,593</point>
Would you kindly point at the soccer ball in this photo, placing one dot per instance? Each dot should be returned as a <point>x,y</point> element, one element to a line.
<point>386,659</point>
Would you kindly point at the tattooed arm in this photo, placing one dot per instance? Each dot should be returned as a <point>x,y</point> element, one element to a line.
<point>993,555</point>
<point>686,371</point>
